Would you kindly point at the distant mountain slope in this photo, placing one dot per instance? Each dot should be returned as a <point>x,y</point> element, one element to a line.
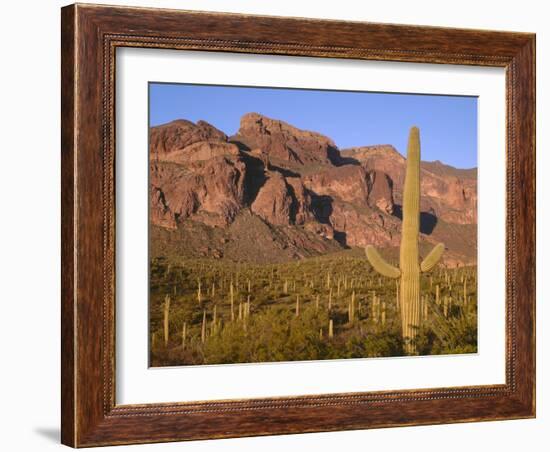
<point>294,193</point>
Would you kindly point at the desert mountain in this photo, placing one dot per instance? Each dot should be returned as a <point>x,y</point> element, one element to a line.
<point>274,192</point>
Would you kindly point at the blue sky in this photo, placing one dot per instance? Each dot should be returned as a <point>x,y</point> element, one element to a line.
<point>448,124</point>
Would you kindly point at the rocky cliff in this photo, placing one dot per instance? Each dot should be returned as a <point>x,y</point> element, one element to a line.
<point>295,193</point>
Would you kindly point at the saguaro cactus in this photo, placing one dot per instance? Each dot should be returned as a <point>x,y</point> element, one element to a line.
<point>203,326</point>
<point>183,335</point>
<point>409,266</point>
<point>166,319</point>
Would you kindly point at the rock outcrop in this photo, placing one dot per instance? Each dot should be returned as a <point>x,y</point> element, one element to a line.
<point>273,203</point>
<point>285,143</point>
<point>309,196</point>
<point>210,191</point>
<point>348,183</point>
<point>380,192</point>
<point>450,193</point>
<point>179,134</point>
<point>301,210</point>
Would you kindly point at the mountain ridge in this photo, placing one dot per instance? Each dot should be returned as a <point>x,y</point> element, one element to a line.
<point>313,197</point>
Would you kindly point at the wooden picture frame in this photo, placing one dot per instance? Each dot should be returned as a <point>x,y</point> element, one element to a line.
<point>90,36</point>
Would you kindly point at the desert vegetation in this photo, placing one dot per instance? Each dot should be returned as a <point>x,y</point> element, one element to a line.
<point>205,311</point>
<point>258,239</point>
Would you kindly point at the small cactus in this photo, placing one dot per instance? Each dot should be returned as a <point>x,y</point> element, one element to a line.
<point>397,294</point>
<point>232,301</point>
<point>203,327</point>
<point>351,308</point>
<point>199,292</point>
<point>424,306</point>
<point>184,335</point>
<point>166,319</point>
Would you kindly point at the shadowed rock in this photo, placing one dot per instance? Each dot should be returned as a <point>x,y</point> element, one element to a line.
<point>300,185</point>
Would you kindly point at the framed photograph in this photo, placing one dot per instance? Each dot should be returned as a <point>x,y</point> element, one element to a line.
<point>282,225</point>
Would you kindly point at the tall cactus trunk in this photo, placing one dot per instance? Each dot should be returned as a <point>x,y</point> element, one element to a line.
<point>408,261</point>
<point>409,267</point>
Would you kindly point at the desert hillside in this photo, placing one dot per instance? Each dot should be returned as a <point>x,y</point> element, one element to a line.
<point>273,193</point>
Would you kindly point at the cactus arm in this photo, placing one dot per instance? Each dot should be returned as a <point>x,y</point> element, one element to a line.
<point>380,265</point>
<point>433,258</point>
